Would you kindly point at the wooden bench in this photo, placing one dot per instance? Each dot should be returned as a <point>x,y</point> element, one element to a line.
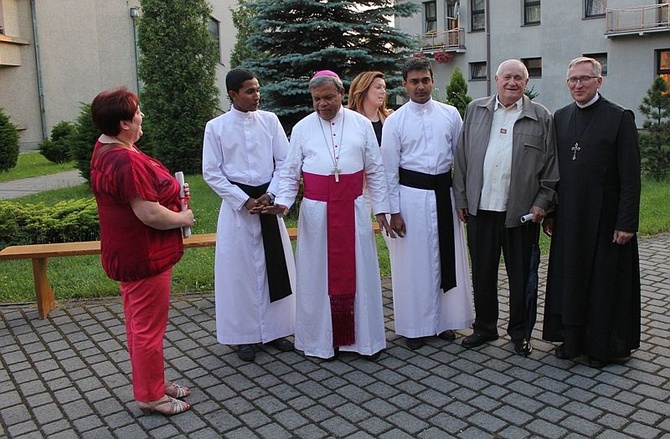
<point>40,254</point>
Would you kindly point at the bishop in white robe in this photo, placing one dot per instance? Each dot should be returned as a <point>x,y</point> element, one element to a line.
<point>332,148</point>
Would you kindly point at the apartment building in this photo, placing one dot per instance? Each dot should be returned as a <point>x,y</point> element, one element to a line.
<point>57,54</point>
<point>631,39</point>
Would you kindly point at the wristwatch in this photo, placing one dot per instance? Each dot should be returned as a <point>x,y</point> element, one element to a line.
<point>272,197</point>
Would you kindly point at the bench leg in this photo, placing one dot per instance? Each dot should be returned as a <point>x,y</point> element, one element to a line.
<point>45,295</point>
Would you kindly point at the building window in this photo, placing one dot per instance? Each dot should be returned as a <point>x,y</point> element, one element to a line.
<point>477,71</point>
<point>601,58</point>
<point>430,14</point>
<point>531,11</point>
<point>663,64</point>
<point>213,28</point>
<point>595,8</point>
<point>2,21</point>
<point>534,66</point>
<point>477,15</point>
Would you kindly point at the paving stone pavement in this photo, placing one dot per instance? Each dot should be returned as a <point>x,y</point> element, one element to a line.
<point>68,376</point>
<point>33,185</point>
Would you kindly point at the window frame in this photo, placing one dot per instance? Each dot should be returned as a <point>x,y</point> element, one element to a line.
<point>533,70</point>
<point>591,5</point>
<point>216,36</point>
<point>430,21</point>
<point>477,16</point>
<point>601,58</point>
<point>528,6</point>
<point>474,67</point>
<point>663,64</point>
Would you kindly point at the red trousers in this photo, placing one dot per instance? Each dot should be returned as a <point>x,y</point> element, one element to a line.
<point>146,304</point>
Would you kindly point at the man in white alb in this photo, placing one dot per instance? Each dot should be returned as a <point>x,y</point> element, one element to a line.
<point>339,297</point>
<point>254,266</point>
<point>429,265</point>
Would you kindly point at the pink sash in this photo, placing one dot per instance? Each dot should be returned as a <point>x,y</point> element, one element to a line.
<point>341,239</point>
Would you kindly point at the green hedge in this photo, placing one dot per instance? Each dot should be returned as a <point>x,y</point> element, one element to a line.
<point>67,221</point>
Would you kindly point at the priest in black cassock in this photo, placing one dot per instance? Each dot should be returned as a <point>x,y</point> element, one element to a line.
<point>593,285</point>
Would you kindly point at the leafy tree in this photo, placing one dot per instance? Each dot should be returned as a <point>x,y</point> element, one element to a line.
<point>292,39</point>
<point>9,143</point>
<point>57,149</point>
<point>178,68</point>
<point>457,92</point>
<point>242,20</point>
<point>655,143</point>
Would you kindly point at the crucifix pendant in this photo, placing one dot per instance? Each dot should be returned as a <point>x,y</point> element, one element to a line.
<point>575,149</point>
<point>336,172</point>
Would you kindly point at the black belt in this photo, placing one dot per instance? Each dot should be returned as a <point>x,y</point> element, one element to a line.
<point>275,260</point>
<point>440,184</point>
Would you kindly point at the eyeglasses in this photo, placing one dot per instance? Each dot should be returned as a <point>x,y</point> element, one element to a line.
<point>573,80</point>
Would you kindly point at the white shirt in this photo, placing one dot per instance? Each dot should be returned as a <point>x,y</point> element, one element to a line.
<point>498,159</point>
<point>421,138</point>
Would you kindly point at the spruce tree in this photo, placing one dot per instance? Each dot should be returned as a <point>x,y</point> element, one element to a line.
<point>178,61</point>
<point>655,143</point>
<point>457,92</point>
<point>295,38</point>
<point>9,143</point>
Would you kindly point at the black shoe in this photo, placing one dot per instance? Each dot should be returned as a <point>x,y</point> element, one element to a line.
<point>336,353</point>
<point>595,363</point>
<point>415,343</point>
<point>373,357</point>
<point>282,345</point>
<point>560,353</point>
<point>477,339</point>
<point>523,347</point>
<point>447,335</point>
<point>246,352</point>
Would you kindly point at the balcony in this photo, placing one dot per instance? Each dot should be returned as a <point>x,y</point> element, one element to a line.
<point>447,41</point>
<point>638,21</point>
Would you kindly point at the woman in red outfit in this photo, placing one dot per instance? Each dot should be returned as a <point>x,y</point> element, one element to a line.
<point>140,220</point>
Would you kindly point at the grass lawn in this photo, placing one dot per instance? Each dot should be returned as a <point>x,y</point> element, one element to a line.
<point>83,277</point>
<point>33,164</point>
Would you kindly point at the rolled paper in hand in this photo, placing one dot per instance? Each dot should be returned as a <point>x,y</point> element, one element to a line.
<point>184,204</point>
<point>527,217</point>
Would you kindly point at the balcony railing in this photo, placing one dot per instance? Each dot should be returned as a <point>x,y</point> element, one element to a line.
<point>638,20</point>
<point>449,41</point>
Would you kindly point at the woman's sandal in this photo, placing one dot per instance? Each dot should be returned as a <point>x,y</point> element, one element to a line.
<point>169,406</point>
<point>175,390</point>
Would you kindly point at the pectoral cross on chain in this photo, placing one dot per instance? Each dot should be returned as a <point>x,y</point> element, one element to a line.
<point>575,149</point>
<point>336,172</point>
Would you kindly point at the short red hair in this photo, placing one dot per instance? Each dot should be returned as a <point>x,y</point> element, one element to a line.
<point>110,107</point>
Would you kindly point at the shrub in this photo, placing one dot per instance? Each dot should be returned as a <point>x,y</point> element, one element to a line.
<point>457,92</point>
<point>655,143</point>
<point>9,143</point>
<point>67,221</point>
<point>83,141</point>
<point>57,149</point>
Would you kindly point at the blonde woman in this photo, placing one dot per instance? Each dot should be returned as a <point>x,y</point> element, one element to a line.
<point>367,95</point>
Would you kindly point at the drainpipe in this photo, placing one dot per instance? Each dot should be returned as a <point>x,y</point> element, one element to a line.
<point>135,15</point>
<point>38,68</point>
<point>488,47</point>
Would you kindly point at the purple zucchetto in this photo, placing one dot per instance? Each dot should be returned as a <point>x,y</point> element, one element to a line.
<point>326,73</point>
